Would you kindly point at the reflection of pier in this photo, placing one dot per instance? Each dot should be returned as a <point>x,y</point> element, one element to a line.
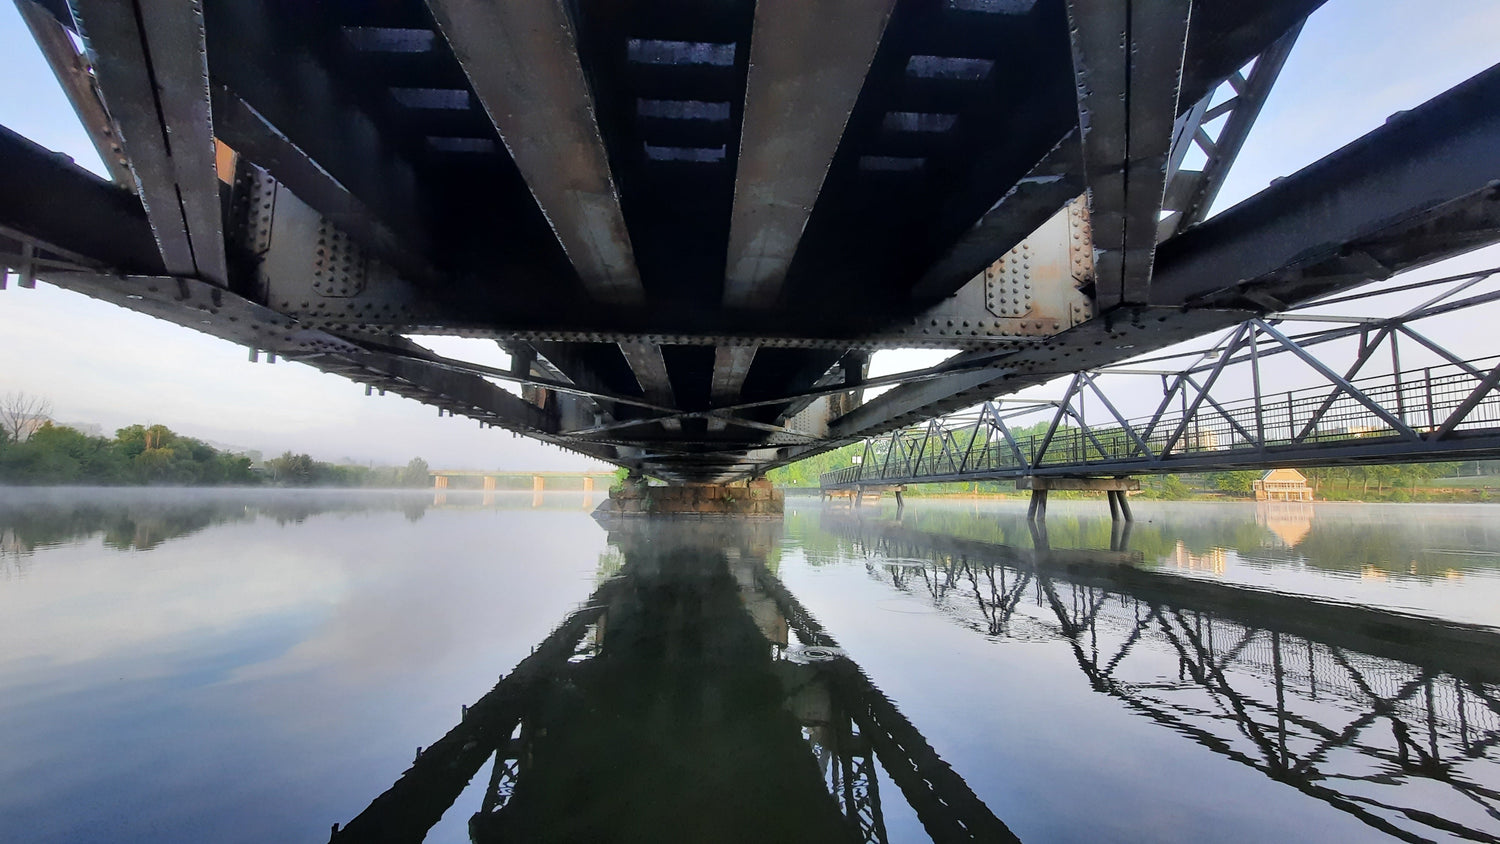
<point>692,698</point>
<point>1346,704</point>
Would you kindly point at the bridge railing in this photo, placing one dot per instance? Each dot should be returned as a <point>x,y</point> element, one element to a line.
<point>1410,406</point>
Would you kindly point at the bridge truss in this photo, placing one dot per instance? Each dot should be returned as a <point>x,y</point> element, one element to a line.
<point>1358,398</point>
<point>690,224</point>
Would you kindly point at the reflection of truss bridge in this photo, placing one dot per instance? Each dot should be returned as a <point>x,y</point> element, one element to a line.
<point>1345,704</point>
<point>1445,408</point>
<point>623,681</point>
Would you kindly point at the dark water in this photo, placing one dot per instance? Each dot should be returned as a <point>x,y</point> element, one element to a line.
<point>226,666</point>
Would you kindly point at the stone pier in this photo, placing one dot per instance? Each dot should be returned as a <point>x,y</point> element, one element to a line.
<point>757,498</point>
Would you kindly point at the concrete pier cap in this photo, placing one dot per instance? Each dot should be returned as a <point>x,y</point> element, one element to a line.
<point>1075,484</point>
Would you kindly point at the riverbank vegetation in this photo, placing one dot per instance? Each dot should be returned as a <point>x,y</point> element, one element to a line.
<point>49,454</point>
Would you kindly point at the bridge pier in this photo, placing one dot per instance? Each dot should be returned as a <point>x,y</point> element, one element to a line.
<point>757,498</point>
<point>1113,488</point>
<point>1037,511</point>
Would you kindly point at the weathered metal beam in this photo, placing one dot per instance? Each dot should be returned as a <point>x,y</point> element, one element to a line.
<point>1190,194</point>
<point>731,365</point>
<point>73,74</point>
<point>149,57</point>
<point>1128,61</point>
<point>650,369</point>
<point>808,62</point>
<point>522,61</point>
<point>47,199</point>
<point>1440,158</point>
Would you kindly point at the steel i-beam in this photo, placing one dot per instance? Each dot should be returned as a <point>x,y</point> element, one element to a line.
<point>150,59</point>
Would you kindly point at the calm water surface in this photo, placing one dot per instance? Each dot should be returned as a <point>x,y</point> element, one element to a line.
<point>180,665</point>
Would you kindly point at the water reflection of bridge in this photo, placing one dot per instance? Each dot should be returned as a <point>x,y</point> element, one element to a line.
<point>691,697</point>
<point>1357,707</point>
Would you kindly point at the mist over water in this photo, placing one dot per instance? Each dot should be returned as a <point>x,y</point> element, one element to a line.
<point>232,665</point>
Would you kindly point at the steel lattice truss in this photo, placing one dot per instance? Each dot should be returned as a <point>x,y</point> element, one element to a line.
<point>1242,678</point>
<point>690,224</point>
<point>1220,410</point>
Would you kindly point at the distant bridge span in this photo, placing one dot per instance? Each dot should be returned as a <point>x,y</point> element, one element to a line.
<point>690,224</point>
<point>442,477</point>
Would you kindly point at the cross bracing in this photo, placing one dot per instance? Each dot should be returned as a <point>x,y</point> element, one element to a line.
<point>688,224</point>
<point>1219,407</point>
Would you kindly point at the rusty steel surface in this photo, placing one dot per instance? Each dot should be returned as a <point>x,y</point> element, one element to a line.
<point>523,63</point>
<point>808,61</point>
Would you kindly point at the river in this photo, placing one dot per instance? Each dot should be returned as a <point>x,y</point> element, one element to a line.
<point>220,665</point>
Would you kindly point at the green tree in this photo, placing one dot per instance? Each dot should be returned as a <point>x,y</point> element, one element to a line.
<point>417,474</point>
<point>1173,489</point>
<point>293,469</point>
<point>1240,483</point>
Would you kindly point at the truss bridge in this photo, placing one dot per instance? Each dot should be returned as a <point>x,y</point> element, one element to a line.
<point>689,225</point>
<point>1358,398</point>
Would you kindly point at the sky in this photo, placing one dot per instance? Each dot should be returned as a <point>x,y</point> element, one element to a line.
<point>1356,63</point>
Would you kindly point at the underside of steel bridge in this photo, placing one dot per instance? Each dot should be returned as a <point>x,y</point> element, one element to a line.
<point>690,223</point>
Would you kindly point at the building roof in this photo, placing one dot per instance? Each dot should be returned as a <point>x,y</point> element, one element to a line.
<point>1284,476</point>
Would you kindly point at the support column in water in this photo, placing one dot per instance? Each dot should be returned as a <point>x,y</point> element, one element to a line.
<point>1113,488</point>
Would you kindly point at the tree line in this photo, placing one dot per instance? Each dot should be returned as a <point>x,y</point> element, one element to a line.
<point>50,454</point>
<point>301,470</point>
